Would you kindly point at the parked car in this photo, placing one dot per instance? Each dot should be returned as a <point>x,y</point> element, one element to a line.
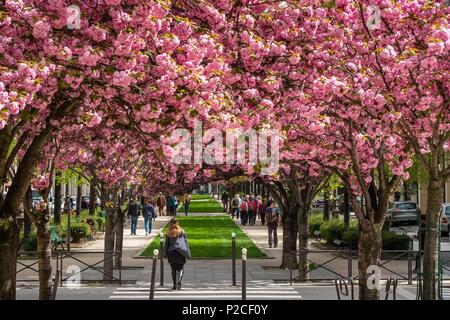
<point>73,202</point>
<point>445,219</point>
<point>51,203</point>
<point>403,211</point>
<point>318,203</point>
<point>35,197</point>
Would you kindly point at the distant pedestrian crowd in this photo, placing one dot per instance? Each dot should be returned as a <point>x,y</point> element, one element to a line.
<point>165,205</point>
<point>249,209</point>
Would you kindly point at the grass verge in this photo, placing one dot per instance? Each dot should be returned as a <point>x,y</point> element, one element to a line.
<point>210,238</point>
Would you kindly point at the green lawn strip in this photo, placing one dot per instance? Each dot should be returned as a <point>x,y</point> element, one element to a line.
<point>210,238</point>
<point>203,206</point>
<point>200,196</point>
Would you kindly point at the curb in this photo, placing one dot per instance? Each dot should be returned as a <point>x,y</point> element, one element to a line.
<point>263,250</point>
<point>141,250</point>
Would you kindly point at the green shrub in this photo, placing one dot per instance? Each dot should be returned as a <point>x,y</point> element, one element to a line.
<point>100,222</point>
<point>393,241</point>
<point>79,230</point>
<point>30,243</point>
<point>315,222</point>
<point>332,229</point>
<point>94,222</point>
<point>351,237</point>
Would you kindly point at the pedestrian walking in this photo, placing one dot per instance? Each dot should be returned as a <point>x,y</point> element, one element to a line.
<point>149,214</point>
<point>244,211</point>
<point>171,204</point>
<point>176,250</point>
<point>187,203</point>
<point>273,220</point>
<point>161,203</point>
<point>262,209</point>
<point>134,213</point>
<point>225,201</point>
<point>252,207</point>
<point>235,206</point>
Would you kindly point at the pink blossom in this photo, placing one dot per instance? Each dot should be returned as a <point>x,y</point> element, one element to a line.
<point>41,29</point>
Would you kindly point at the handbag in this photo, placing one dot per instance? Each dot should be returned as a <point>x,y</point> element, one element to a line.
<point>181,246</point>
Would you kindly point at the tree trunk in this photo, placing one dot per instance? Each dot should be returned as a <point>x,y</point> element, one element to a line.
<point>109,245</point>
<point>27,207</point>
<point>369,253</point>
<point>9,232</point>
<point>431,249</point>
<point>57,198</point>
<point>44,254</point>
<point>326,209</point>
<point>289,240</point>
<point>119,240</point>
<point>346,212</point>
<point>9,245</point>
<point>9,210</point>
<point>92,197</point>
<point>303,243</point>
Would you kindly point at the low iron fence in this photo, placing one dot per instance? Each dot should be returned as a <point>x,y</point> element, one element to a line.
<point>329,265</point>
<point>27,261</point>
<point>89,260</point>
<point>70,266</point>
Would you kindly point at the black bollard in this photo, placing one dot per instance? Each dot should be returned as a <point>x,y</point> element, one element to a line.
<point>55,284</point>
<point>161,257</point>
<point>153,278</point>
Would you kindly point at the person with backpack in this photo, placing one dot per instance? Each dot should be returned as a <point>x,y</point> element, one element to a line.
<point>235,206</point>
<point>262,209</point>
<point>176,250</point>
<point>149,213</point>
<point>273,220</point>
<point>134,211</point>
<point>244,211</point>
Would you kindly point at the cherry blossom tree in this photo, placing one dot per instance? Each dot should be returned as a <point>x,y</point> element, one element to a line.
<point>125,55</point>
<point>390,97</point>
<point>407,59</point>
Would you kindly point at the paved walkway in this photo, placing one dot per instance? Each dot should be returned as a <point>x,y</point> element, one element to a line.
<point>132,245</point>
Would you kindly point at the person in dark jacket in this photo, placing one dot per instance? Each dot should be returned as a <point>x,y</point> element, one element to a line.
<point>262,208</point>
<point>224,199</point>
<point>176,258</point>
<point>172,204</point>
<point>134,212</point>
<point>272,220</point>
<point>149,213</point>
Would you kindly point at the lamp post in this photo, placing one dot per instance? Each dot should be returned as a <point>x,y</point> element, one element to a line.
<point>161,257</point>
<point>233,257</point>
